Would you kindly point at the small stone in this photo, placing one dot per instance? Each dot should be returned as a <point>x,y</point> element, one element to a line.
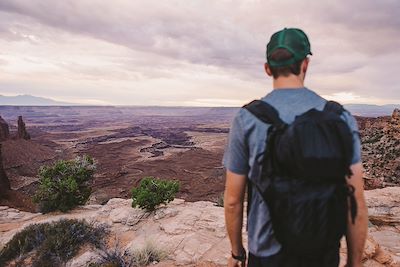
<point>371,248</point>
<point>118,201</point>
<point>383,257</point>
<point>84,259</point>
<point>165,213</point>
<point>177,201</point>
<point>12,215</point>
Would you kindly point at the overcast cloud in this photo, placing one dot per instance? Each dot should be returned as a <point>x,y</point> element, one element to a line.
<point>193,52</point>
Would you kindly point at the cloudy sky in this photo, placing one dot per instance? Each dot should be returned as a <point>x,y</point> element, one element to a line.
<point>193,52</point>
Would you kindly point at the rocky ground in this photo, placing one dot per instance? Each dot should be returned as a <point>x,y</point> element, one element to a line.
<point>193,233</point>
<point>381,150</point>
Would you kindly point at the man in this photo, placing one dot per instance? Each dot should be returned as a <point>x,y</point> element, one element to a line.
<point>287,64</point>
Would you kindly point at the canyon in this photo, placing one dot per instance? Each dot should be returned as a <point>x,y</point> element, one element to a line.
<point>185,144</point>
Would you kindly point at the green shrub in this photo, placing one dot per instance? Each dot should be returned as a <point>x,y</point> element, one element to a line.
<point>152,192</point>
<point>65,184</point>
<point>51,244</point>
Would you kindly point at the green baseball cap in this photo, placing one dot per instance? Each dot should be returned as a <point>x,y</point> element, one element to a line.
<point>292,39</point>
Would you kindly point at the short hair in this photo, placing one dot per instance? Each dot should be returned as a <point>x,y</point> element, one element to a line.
<point>282,54</point>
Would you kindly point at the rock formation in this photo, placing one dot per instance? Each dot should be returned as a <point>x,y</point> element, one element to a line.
<point>396,116</point>
<point>194,234</point>
<point>4,182</point>
<point>384,230</point>
<point>22,133</point>
<point>384,206</point>
<point>4,130</point>
<point>380,139</point>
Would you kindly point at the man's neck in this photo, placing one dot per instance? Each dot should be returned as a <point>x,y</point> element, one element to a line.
<point>292,81</point>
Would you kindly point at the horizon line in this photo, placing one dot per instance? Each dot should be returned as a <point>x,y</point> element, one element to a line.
<point>161,106</point>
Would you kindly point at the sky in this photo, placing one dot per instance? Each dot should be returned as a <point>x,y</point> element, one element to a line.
<point>193,52</point>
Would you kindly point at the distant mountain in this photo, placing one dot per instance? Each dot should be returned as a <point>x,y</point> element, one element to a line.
<point>371,110</point>
<point>364,110</point>
<point>29,100</point>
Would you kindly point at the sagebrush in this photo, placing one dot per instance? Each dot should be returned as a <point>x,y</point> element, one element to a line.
<point>65,184</point>
<point>153,192</point>
<point>52,244</point>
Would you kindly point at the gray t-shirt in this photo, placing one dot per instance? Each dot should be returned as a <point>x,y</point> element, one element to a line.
<point>247,140</point>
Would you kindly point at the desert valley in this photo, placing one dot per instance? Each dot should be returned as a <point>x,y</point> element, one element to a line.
<point>127,143</point>
<point>186,144</point>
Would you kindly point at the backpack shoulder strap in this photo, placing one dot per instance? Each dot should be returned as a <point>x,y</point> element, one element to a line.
<point>264,112</point>
<point>249,199</point>
<point>335,107</point>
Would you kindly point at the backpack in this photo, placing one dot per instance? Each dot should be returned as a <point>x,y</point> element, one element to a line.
<point>303,178</point>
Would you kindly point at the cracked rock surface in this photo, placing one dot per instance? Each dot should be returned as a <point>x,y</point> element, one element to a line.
<point>193,233</point>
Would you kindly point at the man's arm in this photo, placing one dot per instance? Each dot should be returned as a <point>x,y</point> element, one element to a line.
<point>235,188</point>
<point>357,232</point>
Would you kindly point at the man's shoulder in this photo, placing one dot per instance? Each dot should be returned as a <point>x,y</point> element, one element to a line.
<point>293,102</point>
<point>243,117</point>
<point>289,104</point>
<point>350,120</point>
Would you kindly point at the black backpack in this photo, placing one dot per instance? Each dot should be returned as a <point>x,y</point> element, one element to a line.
<point>303,178</point>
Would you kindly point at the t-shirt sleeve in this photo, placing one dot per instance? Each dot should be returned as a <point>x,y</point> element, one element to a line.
<point>351,121</point>
<point>236,156</point>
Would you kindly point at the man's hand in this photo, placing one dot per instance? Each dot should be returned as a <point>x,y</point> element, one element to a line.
<point>235,188</point>
<point>357,232</point>
<point>235,263</point>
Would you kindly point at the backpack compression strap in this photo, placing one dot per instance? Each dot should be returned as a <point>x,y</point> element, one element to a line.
<point>264,112</point>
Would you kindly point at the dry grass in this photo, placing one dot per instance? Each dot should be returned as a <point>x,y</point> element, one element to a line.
<point>148,254</point>
<point>137,258</point>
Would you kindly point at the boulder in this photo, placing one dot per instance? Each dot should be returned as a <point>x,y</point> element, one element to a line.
<point>384,206</point>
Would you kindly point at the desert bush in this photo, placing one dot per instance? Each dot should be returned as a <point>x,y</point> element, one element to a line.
<point>113,258</point>
<point>65,184</point>
<point>220,200</point>
<point>153,192</point>
<point>51,244</point>
<point>122,258</point>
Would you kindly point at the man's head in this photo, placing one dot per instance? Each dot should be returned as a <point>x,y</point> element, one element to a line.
<point>287,53</point>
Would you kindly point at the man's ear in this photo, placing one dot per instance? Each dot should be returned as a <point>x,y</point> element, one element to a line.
<point>267,69</point>
<point>304,65</point>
